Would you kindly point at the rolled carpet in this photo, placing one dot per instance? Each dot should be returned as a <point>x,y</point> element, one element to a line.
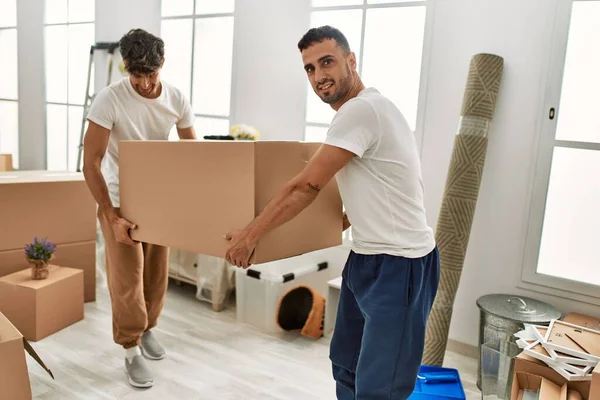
<point>460,195</point>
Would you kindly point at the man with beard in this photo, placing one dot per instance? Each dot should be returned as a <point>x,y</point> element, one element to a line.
<point>139,107</point>
<point>391,275</point>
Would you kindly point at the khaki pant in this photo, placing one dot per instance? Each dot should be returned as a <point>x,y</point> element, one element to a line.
<point>137,282</point>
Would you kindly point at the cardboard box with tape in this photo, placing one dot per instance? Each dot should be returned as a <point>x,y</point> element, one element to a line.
<point>188,194</point>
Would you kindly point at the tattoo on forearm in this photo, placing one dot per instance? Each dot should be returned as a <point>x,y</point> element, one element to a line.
<point>316,188</point>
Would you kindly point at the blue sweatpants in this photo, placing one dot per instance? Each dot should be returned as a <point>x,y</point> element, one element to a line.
<point>379,334</point>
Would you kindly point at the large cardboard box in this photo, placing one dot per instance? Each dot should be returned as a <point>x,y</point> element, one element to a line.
<point>58,206</point>
<point>189,194</point>
<point>53,205</point>
<point>75,255</point>
<point>14,376</point>
<point>6,162</point>
<point>39,308</point>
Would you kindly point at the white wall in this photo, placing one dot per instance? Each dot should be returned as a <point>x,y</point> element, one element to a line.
<point>520,31</point>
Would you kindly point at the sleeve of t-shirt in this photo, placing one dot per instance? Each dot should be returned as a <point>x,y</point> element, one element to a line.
<point>103,110</point>
<point>354,128</point>
<point>187,114</point>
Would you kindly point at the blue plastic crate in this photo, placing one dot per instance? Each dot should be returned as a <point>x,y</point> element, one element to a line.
<point>449,388</point>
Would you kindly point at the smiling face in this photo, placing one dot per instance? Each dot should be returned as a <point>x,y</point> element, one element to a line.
<point>331,70</point>
<point>147,85</point>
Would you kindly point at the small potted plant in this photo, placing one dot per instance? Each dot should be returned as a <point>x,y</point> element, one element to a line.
<point>38,253</point>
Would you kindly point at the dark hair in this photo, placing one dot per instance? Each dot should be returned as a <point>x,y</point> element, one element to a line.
<point>142,52</point>
<point>322,33</point>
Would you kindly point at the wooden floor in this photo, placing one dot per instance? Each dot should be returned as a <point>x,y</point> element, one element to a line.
<point>210,356</point>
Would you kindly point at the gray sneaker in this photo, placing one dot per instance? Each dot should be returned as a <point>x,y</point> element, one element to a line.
<point>138,373</point>
<point>151,348</point>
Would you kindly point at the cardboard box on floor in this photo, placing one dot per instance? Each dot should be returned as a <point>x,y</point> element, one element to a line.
<point>55,205</point>
<point>6,162</point>
<point>546,389</point>
<point>39,308</point>
<point>189,194</point>
<point>14,376</point>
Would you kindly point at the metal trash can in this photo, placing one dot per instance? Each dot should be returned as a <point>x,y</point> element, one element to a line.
<point>503,315</point>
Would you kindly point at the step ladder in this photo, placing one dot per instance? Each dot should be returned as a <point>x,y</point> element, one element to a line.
<point>110,48</point>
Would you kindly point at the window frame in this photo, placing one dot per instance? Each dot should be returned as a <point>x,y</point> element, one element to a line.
<point>423,79</point>
<point>540,177</point>
<point>16,157</point>
<point>67,104</point>
<point>193,17</point>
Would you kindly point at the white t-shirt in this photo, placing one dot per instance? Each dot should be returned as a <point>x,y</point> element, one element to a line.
<point>130,116</point>
<point>381,187</point>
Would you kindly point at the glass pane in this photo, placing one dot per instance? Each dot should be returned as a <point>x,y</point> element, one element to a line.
<point>177,69</point>
<point>214,6</point>
<point>56,11</point>
<point>75,116</point>
<point>8,67</point>
<point>9,130</point>
<point>332,3</point>
<point>211,126</point>
<point>396,74</point>
<point>315,134</point>
<point>81,37</point>
<point>56,55</point>
<point>8,16</point>
<point>569,236</point>
<point>82,10</point>
<point>349,22</point>
<point>173,8</point>
<point>212,65</point>
<point>579,102</point>
<point>56,140</point>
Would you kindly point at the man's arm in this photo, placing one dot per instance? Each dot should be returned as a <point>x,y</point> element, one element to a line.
<point>301,191</point>
<point>347,223</point>
<point>187,133</point>
<point>95,143</point>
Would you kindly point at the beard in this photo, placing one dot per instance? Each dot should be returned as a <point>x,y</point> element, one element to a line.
<point>341,89</point>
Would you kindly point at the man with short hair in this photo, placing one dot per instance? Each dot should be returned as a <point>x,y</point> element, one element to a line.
<point>139,107</point>
<point>391,276</point>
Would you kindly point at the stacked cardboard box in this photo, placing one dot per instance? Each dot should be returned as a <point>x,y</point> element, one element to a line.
<point>188,194</point>
<point>6,162</point>
<point>56,206</point>
<point>39,308</point>
<point>566,353</point>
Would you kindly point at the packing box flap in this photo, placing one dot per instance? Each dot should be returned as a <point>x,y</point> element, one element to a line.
<point>8,332</point>
<point>189,194</point>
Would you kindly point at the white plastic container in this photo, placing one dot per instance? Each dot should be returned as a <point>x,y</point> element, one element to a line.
<point>259,288</point>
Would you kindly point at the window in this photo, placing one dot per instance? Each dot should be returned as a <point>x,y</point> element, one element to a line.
<point>370,26</point>
<point>69,34</point>
<point>198,36</point>
<point>9,107</point>
<point>564,223</point>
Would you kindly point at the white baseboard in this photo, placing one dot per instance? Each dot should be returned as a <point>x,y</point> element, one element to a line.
<point>464,349</point>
